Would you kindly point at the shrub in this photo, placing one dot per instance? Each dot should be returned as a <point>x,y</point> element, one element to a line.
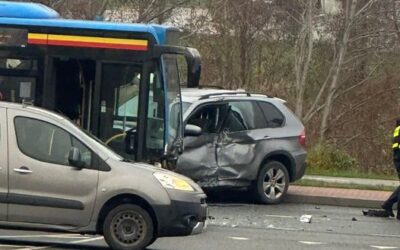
<point>324,157</point>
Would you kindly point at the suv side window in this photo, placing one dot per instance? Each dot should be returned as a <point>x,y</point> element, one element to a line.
<point>46,142</point>
<point>243,115</point>
<point>273,116</point>
<point>208,118</point>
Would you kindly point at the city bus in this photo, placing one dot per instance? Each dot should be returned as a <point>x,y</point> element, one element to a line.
<point>121,82</point>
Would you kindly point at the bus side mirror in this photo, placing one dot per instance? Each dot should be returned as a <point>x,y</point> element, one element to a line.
<point>130,142</point>
<point>193,60</point>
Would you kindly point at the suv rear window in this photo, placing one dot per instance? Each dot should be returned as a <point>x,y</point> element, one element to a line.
<point>243,115</point>
<point>273,116</point>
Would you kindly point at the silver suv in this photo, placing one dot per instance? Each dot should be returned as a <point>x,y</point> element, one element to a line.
<point>54,176</point>
<point>237,139</point>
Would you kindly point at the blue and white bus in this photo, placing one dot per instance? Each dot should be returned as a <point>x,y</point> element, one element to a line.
<point>119,81</point>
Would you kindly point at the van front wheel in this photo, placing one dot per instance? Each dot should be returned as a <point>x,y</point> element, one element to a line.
<point>128,227</point>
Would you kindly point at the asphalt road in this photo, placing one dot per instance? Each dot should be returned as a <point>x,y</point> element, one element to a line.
<point>244,226</point>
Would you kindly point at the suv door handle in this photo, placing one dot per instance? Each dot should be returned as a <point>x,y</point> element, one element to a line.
<point>23,170</point>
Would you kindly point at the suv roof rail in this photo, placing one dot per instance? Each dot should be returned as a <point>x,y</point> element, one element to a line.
<point>224,93</point>
<point>210,87</point>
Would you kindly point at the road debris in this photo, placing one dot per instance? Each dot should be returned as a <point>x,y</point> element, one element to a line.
<point>306,218</point>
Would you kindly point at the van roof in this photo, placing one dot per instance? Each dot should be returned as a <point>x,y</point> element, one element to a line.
<point>30,108</point>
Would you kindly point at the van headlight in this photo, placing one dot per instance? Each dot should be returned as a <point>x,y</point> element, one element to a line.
<point>173,182</point>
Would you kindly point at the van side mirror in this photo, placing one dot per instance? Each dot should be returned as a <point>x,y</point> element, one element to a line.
<point>75,158</point>
<point>130,142</point>
<point>192,130</point>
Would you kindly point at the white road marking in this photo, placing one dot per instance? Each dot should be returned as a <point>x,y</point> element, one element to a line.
<point>87,240</point>
<point>384,247</point>
<point>67,236</point>
<point>33,248</point>
<point>12,246</point>
<point>312,242</point>
<point>280,216</point>
<point>294,217</point>
<point>385,235</point>
<point>237,238</point>
<point>284,228</point>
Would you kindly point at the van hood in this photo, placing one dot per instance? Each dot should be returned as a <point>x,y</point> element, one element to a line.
<point>144,167</point>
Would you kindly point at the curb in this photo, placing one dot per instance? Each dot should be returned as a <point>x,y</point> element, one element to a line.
<point>336,197</point>
<point>341,202</point>
<point>352,181</point>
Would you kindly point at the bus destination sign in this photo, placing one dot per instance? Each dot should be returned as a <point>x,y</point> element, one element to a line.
<point>11,37</point>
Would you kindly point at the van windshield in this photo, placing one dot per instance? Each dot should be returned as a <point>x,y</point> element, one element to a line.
<point>110,153</point>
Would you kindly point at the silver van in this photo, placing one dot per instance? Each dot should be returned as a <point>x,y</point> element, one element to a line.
<point>54,176</point>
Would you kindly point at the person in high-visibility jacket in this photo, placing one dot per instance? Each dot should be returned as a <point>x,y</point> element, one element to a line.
<point>395,197</point>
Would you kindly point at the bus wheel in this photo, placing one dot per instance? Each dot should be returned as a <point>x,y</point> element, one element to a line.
<point>128,227</point>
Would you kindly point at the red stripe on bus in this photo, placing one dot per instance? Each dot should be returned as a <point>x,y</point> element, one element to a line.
<point>37,41</point>
<point>96,45</point>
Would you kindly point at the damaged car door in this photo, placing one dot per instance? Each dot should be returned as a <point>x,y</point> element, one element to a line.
<point>237,143</point>
<point>198,160</point>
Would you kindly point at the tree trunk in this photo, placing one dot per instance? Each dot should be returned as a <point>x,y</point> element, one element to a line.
<point>341,55</point>
<point>302,63</point>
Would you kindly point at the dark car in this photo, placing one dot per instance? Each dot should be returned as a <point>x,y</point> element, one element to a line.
<point>241,140</point>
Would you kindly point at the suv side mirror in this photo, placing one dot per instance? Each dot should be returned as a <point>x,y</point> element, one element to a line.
<point>130,142</point>
<point>75,158</point>
<point>192,130</point>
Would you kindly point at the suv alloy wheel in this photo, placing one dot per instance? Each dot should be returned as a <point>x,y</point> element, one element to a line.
<point>272,183</point>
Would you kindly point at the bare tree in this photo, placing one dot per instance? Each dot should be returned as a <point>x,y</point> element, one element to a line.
<point>304,50</point>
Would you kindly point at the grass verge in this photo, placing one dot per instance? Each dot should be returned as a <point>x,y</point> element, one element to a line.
<point>313,183</point>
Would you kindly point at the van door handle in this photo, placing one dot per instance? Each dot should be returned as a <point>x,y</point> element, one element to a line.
<point>23,170</point>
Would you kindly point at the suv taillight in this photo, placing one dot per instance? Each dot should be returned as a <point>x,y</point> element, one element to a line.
<point>302,138</point>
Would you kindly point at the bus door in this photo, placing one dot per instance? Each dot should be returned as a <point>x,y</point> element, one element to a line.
<point>70,88</point>
<point>20,78</point>
<point>127,92</point>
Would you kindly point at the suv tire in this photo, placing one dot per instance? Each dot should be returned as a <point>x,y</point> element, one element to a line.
<point>128,227</point>
<point>272,183</point>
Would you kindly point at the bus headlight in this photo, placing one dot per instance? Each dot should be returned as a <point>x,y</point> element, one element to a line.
<point>173,182</point>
